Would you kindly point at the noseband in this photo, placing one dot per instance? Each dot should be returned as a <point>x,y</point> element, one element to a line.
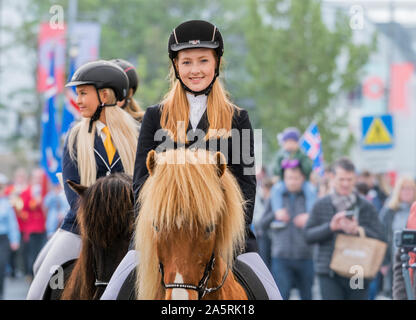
<point>201,288</point>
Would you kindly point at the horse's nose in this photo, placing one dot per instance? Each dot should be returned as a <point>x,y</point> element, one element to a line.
<point>180,293</point>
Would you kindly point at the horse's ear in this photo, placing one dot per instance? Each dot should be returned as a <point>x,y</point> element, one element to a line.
<point>78,188</point>
<point>151,161</point>
<point>221,163</point>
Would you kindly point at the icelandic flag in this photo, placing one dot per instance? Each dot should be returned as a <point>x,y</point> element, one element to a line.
<point>50,160</point>
<point>71,110</point>
<point>310,143</point>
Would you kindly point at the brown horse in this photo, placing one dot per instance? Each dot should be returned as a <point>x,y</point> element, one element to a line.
<point>190,227</point>
<point>106,220</point>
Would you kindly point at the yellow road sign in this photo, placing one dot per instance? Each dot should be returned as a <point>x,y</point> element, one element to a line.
<point>377,134</point>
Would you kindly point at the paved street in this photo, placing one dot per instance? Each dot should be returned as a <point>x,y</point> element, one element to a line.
<point>15,289</point>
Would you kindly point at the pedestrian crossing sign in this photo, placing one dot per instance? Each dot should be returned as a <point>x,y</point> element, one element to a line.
<point>377,132</point>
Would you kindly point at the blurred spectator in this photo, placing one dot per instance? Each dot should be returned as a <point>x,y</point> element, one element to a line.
<point>291,156</point>
<point>375,285</point>
<point>259,203</point>
<point>289,140</point>
<point>362,189</point>
<point>57,206</point>
<point>394,218</point>
<point>328,218</point>
<point>382,181</point>
<point>13,191</point>
<point>375,195</point>
<point>263,239</point>
<point>9,231</point>
<point>34,214</point>
<point>325,182</point>
<point>292,264</point>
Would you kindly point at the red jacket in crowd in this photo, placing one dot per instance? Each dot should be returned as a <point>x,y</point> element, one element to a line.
<point>33,214</point>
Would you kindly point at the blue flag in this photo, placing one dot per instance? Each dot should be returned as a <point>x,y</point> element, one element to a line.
<point>311,144</point>
<point>50,160</point>
<point>71,110</point>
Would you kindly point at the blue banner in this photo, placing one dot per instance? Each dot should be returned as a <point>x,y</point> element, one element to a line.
<point>50,160</point>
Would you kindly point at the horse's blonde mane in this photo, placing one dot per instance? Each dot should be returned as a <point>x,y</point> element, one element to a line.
<point>186,196</point>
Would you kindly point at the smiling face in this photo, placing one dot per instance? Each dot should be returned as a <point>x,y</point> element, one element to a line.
<point>344,181</point>
<point>196,67</point>
<point>87,100</point>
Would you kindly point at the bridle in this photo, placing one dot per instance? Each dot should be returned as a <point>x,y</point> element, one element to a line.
<point>201,288</point>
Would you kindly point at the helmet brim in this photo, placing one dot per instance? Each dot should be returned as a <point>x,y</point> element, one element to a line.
<point>78,83</point>
<point>194,45</point>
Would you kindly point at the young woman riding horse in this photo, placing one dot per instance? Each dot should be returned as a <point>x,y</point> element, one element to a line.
<point>104,141</point>
<point>197,113</point>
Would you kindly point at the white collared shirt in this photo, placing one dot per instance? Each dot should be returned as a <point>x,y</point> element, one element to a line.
<point>197,107</point>
<point>100,126</point>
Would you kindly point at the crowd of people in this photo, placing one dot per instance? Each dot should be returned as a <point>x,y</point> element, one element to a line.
<point>31,209</point>
<point>298,214</point>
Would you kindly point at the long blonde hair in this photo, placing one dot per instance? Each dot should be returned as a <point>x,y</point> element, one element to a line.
<point>175,108</point>
<point>124,133</point>
<point>395,196</point>
<point>133,107</point>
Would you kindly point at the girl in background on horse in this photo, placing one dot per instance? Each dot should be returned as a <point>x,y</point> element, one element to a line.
<point>130,104</point>
<point>103,142</point>
<point>198,99</point>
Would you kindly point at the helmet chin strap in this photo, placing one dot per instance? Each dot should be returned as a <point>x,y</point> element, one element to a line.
<point>126,103</point>
<point>206,91</point>
<point>97,112</point>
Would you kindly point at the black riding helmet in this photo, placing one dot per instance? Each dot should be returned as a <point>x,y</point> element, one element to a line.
<point>195,34</point>
<point>102,74</point>
<point>130,70</point>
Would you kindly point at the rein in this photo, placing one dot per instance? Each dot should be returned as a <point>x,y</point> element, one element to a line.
<point>201,288</point>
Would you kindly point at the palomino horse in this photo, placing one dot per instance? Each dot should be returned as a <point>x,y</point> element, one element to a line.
<point>190,228</point>
<point>106,220</point>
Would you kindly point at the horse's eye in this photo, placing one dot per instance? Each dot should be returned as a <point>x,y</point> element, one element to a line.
<point>209,229</point>
<point>156,227</point>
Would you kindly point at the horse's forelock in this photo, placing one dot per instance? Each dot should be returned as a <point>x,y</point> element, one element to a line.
<point>183,194</point>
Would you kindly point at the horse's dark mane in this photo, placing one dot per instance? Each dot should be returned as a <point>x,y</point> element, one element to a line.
<point>105,216</point>
<point>112,197</point>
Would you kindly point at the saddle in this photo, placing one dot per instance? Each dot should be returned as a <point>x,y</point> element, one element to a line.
<point>55,294</point>
<point>250,282</point>
<point>243,273</point>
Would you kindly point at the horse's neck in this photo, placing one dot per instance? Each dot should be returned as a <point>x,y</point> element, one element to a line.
<point>106,260</point>
<point>231,289</point>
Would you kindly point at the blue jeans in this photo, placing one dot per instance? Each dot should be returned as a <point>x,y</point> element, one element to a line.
<point>335,287</point>
<point>293,273</point>
<point>264,244</point>
<point>374,288</point>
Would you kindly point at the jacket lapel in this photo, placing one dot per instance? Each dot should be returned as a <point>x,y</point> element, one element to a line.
<point>99,146</point>
<point>202,124</point>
